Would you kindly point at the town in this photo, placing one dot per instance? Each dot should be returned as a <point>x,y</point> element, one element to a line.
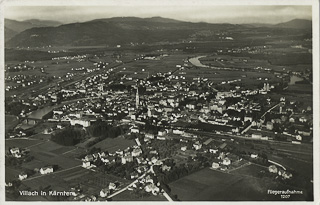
<point>125,124</point>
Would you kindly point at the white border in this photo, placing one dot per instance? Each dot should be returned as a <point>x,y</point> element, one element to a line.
<point>316,88</point>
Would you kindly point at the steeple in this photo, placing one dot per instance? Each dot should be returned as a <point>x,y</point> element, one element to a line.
<point>137,98</point>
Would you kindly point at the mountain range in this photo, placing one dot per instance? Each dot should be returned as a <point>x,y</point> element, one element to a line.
<point>118,30</point>
<point>13,27</point>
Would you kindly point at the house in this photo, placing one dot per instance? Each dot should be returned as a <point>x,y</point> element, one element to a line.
<point>23,176</point>
<point>177,132</point>
<point>15,150</point>
<point>152,188</point>
<point>256,136</point>
<point>269,125</point>
<point>86,164</point>
<point>112,186</point>
<point>104,192</point>
<point>148,179</point>
<point>273,169</point>
<point>226,161</point>
<point>254,156</point>
<point>149,136</point>
<point>197,145</point>
<point>134,130</point>
<point>126,159</point>
<point>286,175</point>
<point>215,164</point>
<point>136,152</point>
<point>161,138</point>
<point>162,132</point>
<point>247,118</point>
<point>46,170</point>
<point>184,148</point>
<point>213,150</point>
<point>223,168</point>
<point>88,158</point>
<point>165,168</point>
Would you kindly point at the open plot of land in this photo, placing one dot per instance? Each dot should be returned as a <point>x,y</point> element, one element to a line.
<point>250,170</point>
<point>207,185</point>
<point>21,143</point>
<point>52,180</point>
<point>114,144</point>
<point>10,122</point>
<point>49,153</point>
<point>244,78</point>
<point>12,173</point>
<point>233,62</point>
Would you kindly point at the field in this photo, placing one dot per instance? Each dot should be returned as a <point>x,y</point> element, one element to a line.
<point>21,143</point>
<point>210,185</point>
<point>12,174</point>
<point>10,122</point>
<point>114,144</point>
<point>250,170</point>
<point>50,153</point>
<point>220,77</point>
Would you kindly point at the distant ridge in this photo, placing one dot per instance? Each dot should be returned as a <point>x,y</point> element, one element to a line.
<point>296,24</point>
<point>13,27</point>
<point>125,30</point>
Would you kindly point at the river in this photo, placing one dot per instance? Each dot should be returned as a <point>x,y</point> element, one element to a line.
<point>38,114</point>
<point>195,61</point>
<point>294,79</point>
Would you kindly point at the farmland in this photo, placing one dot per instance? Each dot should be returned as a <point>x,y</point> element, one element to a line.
<point>207,185</point>
<point>114,144</point>
<point>10,122</point>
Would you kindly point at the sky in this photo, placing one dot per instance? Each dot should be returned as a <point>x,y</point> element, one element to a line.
<point>211,13</point>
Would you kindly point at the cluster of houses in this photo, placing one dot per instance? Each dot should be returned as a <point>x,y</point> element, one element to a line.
<point>284,174</point>
<point>42,171</point>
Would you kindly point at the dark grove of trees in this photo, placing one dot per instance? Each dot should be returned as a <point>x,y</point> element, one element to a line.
<point>68,136</point>
<point>102,130</point>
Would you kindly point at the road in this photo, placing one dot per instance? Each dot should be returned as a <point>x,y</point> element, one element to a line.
<point>125,188</point>
<point>31,178</point>
<point>165,194</point>
<point>247,128</point>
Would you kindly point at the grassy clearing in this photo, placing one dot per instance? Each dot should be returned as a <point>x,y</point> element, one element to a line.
<point>10,122</point>
<point>209,185</point>
<point>114,144</point>
<point>21,143</point>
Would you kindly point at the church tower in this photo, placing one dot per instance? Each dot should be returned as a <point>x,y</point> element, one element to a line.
<point>137,98</point>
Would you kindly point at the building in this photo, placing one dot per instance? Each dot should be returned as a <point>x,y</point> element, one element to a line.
<point>215,164</point>
<point>46,170</point>
<point>269,125</point>
<point>136,152</point>
<point>104,192</point>
<point>273,169</point>
<point>254,156</point>
<point>226,161</point>
<point>126,159</point>
<point>112,186</point>
<point>23,176</point>
<point>152,188</point>
<point>86,164</point>
<point>137,98</point>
